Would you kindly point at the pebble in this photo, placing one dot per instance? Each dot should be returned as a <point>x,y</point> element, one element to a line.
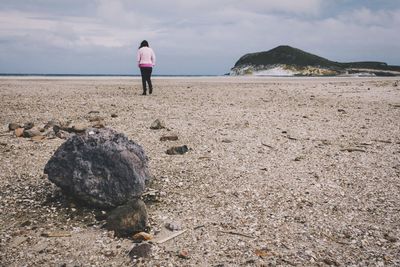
<point>183,254</point>
<point>32,132</point>
<point>19,132</point>
<point>168,138</point>
<point>177,150</point>
<point>142,250</point>
<point>13,126</point>
<point>28,125</point>
<point>173,226</point>
<point>157,125</point>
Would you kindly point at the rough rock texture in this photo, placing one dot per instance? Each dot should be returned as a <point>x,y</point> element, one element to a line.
<point>128,219</point>
<point>100,167</point>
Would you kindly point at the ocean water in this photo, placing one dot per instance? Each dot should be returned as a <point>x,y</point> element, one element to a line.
<point>99,75</point>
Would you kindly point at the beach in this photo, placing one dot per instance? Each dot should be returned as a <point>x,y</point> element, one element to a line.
<point>280,171</point>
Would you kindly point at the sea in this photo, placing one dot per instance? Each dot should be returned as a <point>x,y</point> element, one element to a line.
<point>30,75</point>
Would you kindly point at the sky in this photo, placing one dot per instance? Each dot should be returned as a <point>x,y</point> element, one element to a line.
<point>189,37</point>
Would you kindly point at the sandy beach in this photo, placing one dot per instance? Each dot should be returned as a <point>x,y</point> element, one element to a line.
<point>280,172</point>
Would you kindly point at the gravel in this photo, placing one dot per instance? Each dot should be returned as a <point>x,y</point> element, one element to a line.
<point>275,174</point>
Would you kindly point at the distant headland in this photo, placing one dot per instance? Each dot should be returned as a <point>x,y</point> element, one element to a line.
<point>289,61</point>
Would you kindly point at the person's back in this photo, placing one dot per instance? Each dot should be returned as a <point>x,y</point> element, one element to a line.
<point>146,57</point>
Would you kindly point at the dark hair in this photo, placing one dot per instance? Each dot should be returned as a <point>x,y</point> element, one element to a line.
<point>144,43</point>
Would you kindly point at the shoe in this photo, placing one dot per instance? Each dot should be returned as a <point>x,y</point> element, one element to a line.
<point>144,94</point>
<point>150,91</point>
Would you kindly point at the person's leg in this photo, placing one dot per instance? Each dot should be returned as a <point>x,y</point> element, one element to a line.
<point>149,81</point>
<point>143,73</point>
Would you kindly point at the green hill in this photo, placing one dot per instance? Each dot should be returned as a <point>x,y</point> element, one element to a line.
<point>293,58</point>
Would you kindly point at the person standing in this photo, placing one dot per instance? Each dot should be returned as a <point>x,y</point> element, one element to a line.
<point>146,61</point>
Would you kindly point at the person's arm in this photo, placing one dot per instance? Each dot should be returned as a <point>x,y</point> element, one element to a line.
<point>153,58</point>
<point>138,57</point>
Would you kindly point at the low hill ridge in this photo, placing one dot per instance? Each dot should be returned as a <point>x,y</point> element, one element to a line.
<point>293,61</point>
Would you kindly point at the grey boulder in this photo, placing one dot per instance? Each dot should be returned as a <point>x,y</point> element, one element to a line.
<point>99,168</point>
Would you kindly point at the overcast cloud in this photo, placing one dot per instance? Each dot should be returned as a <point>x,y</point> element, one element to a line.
<point>189,37</point>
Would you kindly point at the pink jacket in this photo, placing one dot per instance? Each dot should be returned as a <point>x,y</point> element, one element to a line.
<point>146,57</point>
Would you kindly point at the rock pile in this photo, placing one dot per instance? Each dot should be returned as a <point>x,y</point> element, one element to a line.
<point>54,128</point>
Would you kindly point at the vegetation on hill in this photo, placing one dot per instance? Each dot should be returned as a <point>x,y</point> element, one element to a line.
<point>287,55</point>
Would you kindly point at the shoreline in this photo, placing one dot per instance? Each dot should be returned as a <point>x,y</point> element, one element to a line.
<point>200,77</point>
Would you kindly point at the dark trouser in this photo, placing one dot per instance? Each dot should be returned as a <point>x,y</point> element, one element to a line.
<point>146,77</point>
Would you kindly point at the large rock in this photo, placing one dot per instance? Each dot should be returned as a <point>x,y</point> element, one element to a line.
<point>100,168</point>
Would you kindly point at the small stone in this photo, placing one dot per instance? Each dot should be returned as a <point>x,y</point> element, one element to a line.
<point>78,128</point>
<point>142,236</point>
<point>96,118</point>
<point>183,254</point>
<point>51,124</point>
<point>173,226</point>
<point>31,132</point>
<point>331,262</point>
<point>13,126</point>
<point>26,223</point>
<point>263,252</point>
<point>177,150</point>
<point>227,141</point>
<point>109,253</point>
<point>19,132</point>
<point>168,138</point>
<point>390,238</point>
<point>64,125</point>
<point>128,219</point>
<point>28,125</point>
<point>98,124</point>
<point>140,251</point>
<point>157,125</point>
<point>62,134</point>
<point>114,115</point>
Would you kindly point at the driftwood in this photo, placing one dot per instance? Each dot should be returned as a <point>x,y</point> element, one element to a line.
<point>236,233</point>
<point>165,239</point>
<point>353,149</point>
